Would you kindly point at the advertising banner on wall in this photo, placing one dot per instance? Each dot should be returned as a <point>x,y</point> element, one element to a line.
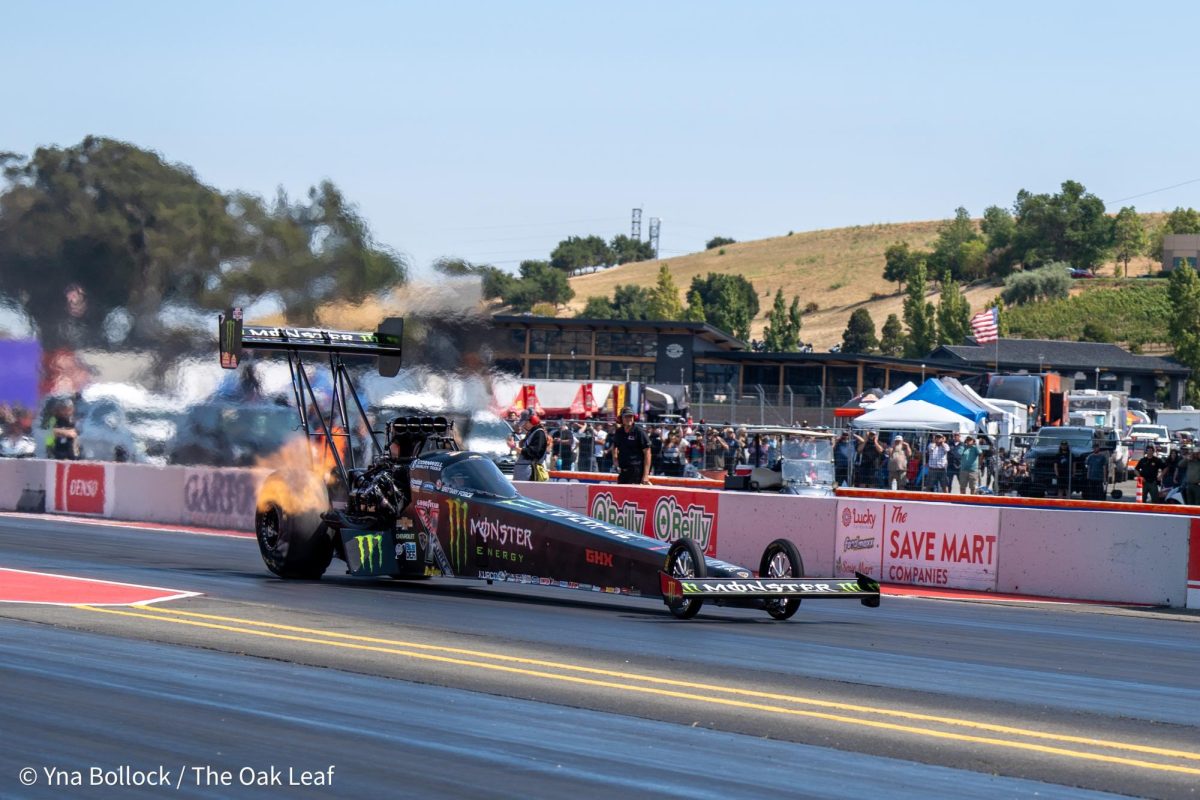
<point>660,513</point>
<point>219,498</point>
<point>925,544</point>
<point>858,544</point>
<point>80,488</point>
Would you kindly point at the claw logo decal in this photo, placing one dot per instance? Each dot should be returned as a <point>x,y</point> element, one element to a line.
<point>459,533</point>
<point>370,551</point>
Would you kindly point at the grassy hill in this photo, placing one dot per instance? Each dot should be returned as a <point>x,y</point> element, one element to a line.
<point>839,269</point>
<point>1132,311</point>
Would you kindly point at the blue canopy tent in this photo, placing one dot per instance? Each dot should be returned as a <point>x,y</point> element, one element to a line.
<point>934,393</point>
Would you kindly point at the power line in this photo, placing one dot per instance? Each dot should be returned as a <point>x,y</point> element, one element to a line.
<point>530,224</point>
<point>1156,191</point>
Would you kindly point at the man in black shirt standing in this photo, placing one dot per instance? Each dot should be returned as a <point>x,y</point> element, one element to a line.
<point>631,446</point>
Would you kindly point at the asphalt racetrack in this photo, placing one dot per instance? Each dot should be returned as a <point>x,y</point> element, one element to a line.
<point>337,688</point>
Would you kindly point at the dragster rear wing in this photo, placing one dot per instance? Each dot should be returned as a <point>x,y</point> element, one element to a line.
<point>384,344</point>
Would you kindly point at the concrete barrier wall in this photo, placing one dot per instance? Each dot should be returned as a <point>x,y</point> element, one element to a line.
<point>749,522</point>
<point>18,474</point>
<point>1095,555</point>
<point>1105,555</point>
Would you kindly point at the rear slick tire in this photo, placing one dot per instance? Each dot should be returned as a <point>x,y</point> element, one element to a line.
<point>685,560</point>
<point>781,560</point>
<point>294,542</point>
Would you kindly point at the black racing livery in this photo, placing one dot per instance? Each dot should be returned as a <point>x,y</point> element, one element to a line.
<point>423,507</point>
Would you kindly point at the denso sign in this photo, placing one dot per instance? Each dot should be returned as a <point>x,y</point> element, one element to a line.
<point>79,488</point>
<point>663,514</point>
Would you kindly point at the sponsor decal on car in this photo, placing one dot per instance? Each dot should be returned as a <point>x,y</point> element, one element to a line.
<point>432,466</point>
<point>370,551</point>
<point>458,512</point>
<point>427,512</point>
<point>598,557</point>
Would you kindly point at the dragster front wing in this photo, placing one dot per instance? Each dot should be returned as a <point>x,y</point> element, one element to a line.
<point>862,588</point>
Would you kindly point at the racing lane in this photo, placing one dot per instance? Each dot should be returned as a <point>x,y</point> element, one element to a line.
<point>979,688</point>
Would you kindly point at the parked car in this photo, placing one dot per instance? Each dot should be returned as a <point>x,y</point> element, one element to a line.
<point>1082,273</point>
<point>488,434</point>
<point>223,434</point>
<point>1041,456</point>
<point>104,433</point>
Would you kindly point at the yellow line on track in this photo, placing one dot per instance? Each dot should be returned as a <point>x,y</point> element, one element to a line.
<point>371,644</point>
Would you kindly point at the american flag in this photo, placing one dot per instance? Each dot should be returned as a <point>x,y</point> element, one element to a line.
<point>985,325</point>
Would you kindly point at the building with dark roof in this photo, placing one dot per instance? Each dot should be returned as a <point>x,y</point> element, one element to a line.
<point>1085,365</point>
<point>719,369</point>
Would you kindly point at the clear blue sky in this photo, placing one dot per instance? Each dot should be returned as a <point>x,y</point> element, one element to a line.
<point>491,131</point>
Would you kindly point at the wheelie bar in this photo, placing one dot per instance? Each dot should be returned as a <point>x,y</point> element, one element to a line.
<point>863,588</point>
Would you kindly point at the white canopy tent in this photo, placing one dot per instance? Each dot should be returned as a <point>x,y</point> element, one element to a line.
<point>914,415</point>
<point>892,397</point>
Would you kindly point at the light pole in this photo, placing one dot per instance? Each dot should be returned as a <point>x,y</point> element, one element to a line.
<point>547,366</point>
<point>1097,379</point>
<point>1041,358</point>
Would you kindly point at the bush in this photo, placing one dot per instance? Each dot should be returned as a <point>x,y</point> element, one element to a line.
<point>544,310</point>
<point>811,307</point>
<point>721,252</point>
<point>719,241</point>
<point>1130,314</point>
<point>1051,282</point>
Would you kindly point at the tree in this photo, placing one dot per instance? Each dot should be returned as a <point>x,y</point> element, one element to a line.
<point>953,314</point>
<point>695,307</point>
<point>539,283</point>
<point>664,297</point>
<point>918,316</point>
<point>626,249</point>
<point>495,282</point>
<point>1070,226</point>
<point>782,333</point>
<point>1184,325</point>
<point>597,308</point>
<point>859,336</point>
<point>1129,237</point>
<point>577,252</point>
<point>999,231</point>
<point>892,341</point>
<point>129,233</point>
<point>899,261</point>
<point>954,245</point>
<point>632,302</point>
<point>718,241</point>
<point>730,302</point>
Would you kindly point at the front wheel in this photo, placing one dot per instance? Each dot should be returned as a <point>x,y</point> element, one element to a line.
<point>685,560</point>
<point>781,559</point>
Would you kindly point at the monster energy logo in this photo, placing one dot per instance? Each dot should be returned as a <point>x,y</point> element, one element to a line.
<point>370,551</point>
<point>459,533</point>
